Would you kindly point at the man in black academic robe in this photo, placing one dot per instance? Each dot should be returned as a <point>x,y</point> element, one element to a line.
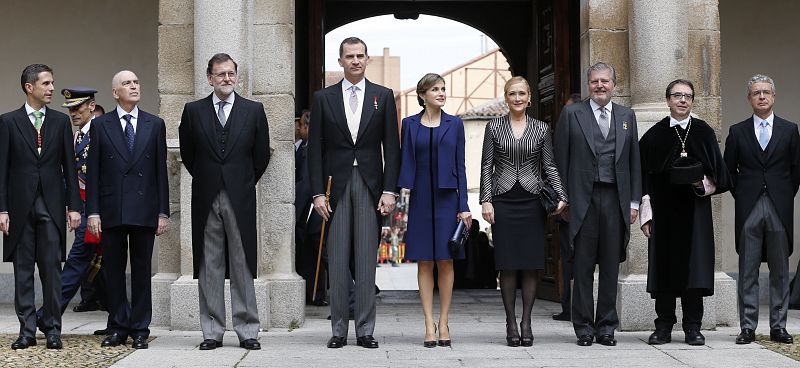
<point>680,226</point>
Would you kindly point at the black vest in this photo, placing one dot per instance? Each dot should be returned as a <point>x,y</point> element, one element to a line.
<point>222,134</point>
<point>604,170</point>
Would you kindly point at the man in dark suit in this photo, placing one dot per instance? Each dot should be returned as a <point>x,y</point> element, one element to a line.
<point>36,184</point>
<point>81,105</point>
<point>763,154</point>
<point>353,138</point>
<point>225,147</point>
<point>126,189</point>
<point>597,152</point>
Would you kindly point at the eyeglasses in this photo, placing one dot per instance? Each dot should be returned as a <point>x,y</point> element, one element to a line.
<point>765,92</point>
<point>222,75</point>
<point>679,96</point>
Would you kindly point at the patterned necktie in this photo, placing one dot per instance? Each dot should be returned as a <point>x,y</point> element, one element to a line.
<point>221,112</point>
<point>353,99</point>
<point>37,123</point>
<point>130,135</point>
<point>603,122</point>
<point>763,136</point>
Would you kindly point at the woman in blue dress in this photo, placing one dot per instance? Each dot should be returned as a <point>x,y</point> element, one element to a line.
<point>432,168</point>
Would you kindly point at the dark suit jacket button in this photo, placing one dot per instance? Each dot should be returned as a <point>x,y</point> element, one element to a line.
<point>140,192</point>
<point>140,174</point>
<point>111,157</point>
<point>147,155</point>
<point>124,175</point>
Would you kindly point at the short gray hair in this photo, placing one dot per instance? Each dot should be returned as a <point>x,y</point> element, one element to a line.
<point>601,66</point>
<point>760,78</point>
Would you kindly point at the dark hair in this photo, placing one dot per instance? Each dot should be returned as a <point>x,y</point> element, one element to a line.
<point>351,41</point>
<point>427,82</point>
<point>220,58</point>
<point>100,108</point>
<point>676,82</point>
<point>575,97</point>
<point>31,74</point>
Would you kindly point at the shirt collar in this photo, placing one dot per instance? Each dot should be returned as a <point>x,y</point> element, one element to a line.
<point>215,100</point>
<point>596,106</point>
<point>85,128</point>
<point>683,123</point>
<point>29,110</point>
<point>757,120</point>
<point>346,84</point>
<point>134,113</point>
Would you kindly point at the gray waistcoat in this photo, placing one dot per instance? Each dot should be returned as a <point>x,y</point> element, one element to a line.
<point>604,170</point>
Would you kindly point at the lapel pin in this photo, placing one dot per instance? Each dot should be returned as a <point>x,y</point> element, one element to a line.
<point>625,125</point>
<point>375,102</point>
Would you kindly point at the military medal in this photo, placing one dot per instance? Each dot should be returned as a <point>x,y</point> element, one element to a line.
<point>375,102</point>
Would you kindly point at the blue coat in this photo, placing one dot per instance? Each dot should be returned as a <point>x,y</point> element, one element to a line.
<point>452,170</point>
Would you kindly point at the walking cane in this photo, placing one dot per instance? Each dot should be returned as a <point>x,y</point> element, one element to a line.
<point>321,237</point>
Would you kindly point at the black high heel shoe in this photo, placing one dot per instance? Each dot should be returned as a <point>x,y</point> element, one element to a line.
<point>512,335</point>
<point>445,342</point>
<point>527,335</point>
<point>430,343</point>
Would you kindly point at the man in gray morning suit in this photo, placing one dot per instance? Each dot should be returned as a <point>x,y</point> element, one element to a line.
<point>225,147</point>
<point>353,138</point>
<point>597,153</point>
<point>763,156</point>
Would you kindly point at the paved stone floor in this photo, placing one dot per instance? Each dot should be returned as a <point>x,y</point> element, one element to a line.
<point>477,328</point>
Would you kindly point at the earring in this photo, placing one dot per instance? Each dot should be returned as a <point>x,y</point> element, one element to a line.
<point>529,103</point>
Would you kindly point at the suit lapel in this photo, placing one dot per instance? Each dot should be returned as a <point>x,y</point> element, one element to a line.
<point>208,117</point>
<point>336,102</point>
<point>368,107</point>
<point>143,130</point>
<point>413,129</point>
<point>752,140</point>
<point>445,124</point>
<point>26,129</point>
<point>48,132</point>
<point>778,134</point>
<point>621,130</point>
<point>585,120</point>
<point>113,129</point>
<point>234,123</point>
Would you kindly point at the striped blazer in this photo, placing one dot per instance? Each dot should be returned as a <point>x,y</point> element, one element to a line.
<point>506,160</point>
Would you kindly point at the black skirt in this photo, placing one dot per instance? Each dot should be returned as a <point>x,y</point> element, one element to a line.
<point>518,230</point>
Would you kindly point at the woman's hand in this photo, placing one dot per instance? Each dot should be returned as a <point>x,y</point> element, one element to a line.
<point>561,206</point>
<point>487,210</point>
<point>467,218</point>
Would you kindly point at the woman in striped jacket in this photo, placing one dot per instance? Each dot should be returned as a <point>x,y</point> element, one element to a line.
<point>517,156</point>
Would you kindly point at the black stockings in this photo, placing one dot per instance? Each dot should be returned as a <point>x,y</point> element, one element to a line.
<point>508,290</point>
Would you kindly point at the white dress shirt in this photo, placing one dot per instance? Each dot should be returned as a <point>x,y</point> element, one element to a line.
<point>228,106</point>
<point>134,117</point>
<point>353,118</point>
<point>757,125</point>
<point>596,111</point>
<point>29,110</point>
<point>683,123</point>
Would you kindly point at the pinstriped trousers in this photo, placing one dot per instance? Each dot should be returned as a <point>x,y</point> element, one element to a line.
<point>353,231</point>
<point>763,230</point>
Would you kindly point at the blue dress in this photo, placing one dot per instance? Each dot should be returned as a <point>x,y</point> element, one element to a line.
<point>431,211</point>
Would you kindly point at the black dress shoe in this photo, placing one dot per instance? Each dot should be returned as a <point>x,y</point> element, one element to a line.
<point>562,317</point>
<point>512,335</point>
<point>607,340</point>
<point>746,336</point>
<point>115,339</point>
<point>86,307</point>
<point>445,343</point>
<point>660,337</point>
<point>140,342</point>
<point>585,340</point>
<point>367,341</point>
<point>337,342</point>
<point>780,335</point>
<point>526,338</point>
<point>250,344</point>
<point>694,337</point>
<point>319,303</point>
<point>103,332</point>
<point>210,344</point>
<point>54,342</point>
<point>23,343</point>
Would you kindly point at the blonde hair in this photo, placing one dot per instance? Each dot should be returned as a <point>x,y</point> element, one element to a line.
<point>515,80</point>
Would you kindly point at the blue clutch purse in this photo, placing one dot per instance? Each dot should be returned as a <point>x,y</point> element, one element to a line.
<point>458,241</point>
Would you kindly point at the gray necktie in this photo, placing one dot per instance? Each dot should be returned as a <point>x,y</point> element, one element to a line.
<point>603,122</point>
<point>353,99</point>
<point>221,112</point>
